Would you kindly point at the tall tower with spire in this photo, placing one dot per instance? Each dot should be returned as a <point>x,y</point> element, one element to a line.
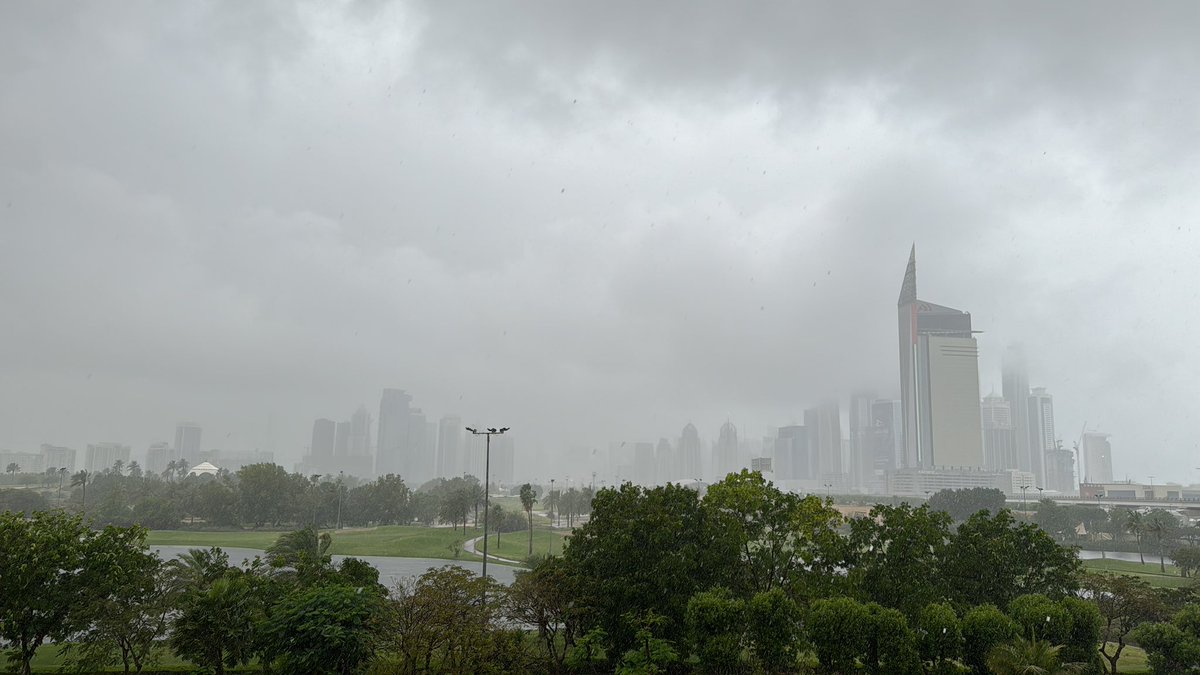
<point>939,381</point>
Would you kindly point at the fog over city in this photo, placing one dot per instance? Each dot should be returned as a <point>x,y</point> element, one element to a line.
<point>589,222</point>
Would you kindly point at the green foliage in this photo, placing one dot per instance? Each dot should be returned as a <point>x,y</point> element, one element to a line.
<point>964,503</point>
<point>651,653</point>
<point>264,493</point>
<point>983,628</point>
<point>1187,559</point>
<point>1041,618</point>
<point>643,550</point>
<point>774,629</point>
<point>890,646</point>
<point>1024,657</point>
<point>895,553</point>
<point>1172,647</point>
<point>324,629</point>
<point>1124,603</point>
<point>716,626</point>
<point>22,502</point>
<point>1086,630</point>
<point>543,598</point>
<point>837,629</point>
<point>939,634</point>
<point>589,652</point>
<point>993,559</point>
<point>783,540</point>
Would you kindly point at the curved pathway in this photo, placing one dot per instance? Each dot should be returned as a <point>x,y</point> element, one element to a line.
<point>469,547</point>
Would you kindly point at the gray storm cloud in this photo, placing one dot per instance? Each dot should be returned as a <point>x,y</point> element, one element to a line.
<point>586,221</point>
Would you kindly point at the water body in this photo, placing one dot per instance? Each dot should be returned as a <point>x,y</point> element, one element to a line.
<point>1123,555</point>
<point>391,569</point>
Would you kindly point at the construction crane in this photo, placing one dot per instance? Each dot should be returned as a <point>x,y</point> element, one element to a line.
<point>1078,456</point>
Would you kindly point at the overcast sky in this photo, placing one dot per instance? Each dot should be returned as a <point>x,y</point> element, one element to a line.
<point>588,221</point>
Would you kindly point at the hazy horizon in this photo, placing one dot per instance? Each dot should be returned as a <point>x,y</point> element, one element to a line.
<point>589,223</point>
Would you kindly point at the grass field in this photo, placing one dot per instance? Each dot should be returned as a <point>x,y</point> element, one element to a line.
<point>1149,572</point>
<point>394,540</point>
<point>515,545</point>
<point>1133,661</point>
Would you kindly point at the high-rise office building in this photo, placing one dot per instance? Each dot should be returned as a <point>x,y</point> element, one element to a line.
<point>690,452</point>
<point>1015,389</point>
<point>725,452</point>
<point>420,463</point>
<point>393,454</point>
<point>58,457</point>
<point>102,456</point>
<point>643,463</point>
<point>1060,470</point>
<point>158,456</point>
<point>793,457</point>
<point>341,440</point>
<point>324,433</point>
<point>450,436</point>
<point>824,425</point>
<point>939,381</point>
<point>861,422</point>
<point>887,420</point>
<point>1097,457</point>
<point>1041,430</point>
<point>360,433</point>
<point>665,465</point>
<point>999,438</point>
<point>187,442</point>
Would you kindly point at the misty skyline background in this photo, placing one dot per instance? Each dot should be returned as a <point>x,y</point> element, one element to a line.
<point>588,223</point>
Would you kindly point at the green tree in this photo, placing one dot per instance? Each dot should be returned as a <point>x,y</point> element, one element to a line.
<point>302,555</point>
<point>651,653</point>
<point>528,498</point>
<point>647,549</point>
<point>1172,647</point>
<point>1025,657</point>
<point>716,623</point>
<point>12,469</point>
<point>264,494</point>
<point>993,559</point>
<point>1086,629</point>
<point>1124,603</point>
<point>1160,526</point>
<point>553,500</point>
<point>1135,524</point>
<point>939,635</point>
<point>215,624</point>
<point>322,629</point>
<point>80,480</point>
<point>895,553</point>
<point>54,573</point>
<point>22,501</point>
<point>774,629</point>
<point>543,597</point>
<point>783,540</point>
<point>1042,618</point>
<point>984,627</point>
<point>964,503</point>
<point>837,630</point>
<point>1187,559</point>
<point>891,647</point>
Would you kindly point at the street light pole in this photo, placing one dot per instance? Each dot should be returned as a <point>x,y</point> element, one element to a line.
<point>487,468</point>
<point>1024,511</point>
<point>339,489</point>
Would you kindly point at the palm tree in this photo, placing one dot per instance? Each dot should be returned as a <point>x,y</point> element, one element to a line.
<point>1029,657</point>
<point>62,473</point>
<point>1136,525</point>
<point>527,501</point>
<point>169,472</point>
<point>81,480</point>
<point>553,499</point>
<point>13,468</point>
<point>497,516</point>
<point>118,467</point>
<point>135,469</point>
<point>476,496</point>
<point>1159,526</point>
<point>300,552</point>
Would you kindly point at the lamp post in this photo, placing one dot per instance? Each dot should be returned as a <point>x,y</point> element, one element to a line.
<point>1023,509</point>
<point>487,467</point>
<point>1041,491</point>
<point>341,474</point>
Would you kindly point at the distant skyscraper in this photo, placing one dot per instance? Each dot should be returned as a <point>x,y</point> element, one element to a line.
<point>939,381</point>
<point>861,422</point>
<point>341,440</point>
<point>187,441</point>
<point>1097,457</point>
<point>824,424</point>
<point>1060,470</point>
<point>999,451</point>
<point>690,452</point>
<point>666,467</point>
<point>1041,430</point>
<point>324,433</point>
<point>450,435</point>
<point>360,433</point>
<point>887,419</point>
<point>643,463</point>
<point>1015,383</point>
<point>421,450</point>
<point>157,457</point>
<point>725,452</point>
<point>102,456</point>
<point>393,453</point>
<point>58,457</point>
<point>793,456</point>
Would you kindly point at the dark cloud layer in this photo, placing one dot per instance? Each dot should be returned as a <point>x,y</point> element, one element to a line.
<point>588,221</point>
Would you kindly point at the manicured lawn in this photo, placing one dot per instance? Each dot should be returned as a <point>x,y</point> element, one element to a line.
<point>393,540</point>
<point>1133,660</point>
<point>1149,572</point>
<point>515,545</point>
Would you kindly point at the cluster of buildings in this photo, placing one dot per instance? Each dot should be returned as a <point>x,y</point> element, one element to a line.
<point>938,434</point>
<point>407,443</point>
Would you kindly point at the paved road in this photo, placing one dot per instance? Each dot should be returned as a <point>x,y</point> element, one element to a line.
<point>391,568</point>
